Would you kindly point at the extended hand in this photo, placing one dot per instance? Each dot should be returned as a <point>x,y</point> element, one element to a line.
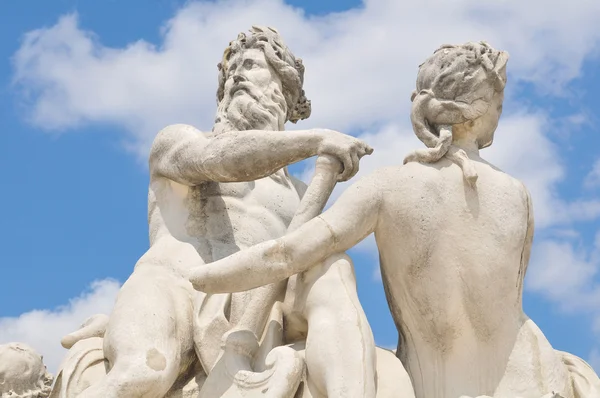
<point>201,278</point>
<point>347,149</point>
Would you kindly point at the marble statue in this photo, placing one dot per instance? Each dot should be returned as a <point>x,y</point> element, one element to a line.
<point>210,196</point>
<point>22,372</point>
<point>246,290</point>
<point>454,235</point>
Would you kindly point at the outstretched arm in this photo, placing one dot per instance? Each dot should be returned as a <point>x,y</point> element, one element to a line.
<point>353,217</point>
<point>184,154</point>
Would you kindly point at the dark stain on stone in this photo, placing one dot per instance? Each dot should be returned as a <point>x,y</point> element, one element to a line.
<point>155,360</point>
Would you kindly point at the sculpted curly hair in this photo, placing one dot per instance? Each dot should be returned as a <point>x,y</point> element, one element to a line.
<point>278,55</point>
<point>454,86</point>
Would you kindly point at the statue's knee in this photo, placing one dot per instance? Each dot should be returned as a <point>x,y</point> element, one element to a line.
<point>339,269</point>
<point>151,378</point>
<point>341,259</point>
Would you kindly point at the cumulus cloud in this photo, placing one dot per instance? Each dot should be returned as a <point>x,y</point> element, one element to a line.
<point>366,56</point>
<point>592,180</point>
<point>565,272</point>
<point>43,329</point>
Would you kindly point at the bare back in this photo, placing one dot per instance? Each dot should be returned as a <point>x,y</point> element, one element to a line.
<point>455,266</point>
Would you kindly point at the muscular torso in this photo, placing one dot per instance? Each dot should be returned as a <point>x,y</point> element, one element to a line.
<point>218,219</point>
<point>454,268</point>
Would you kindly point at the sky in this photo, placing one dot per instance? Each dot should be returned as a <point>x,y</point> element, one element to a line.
<point>86,84</point>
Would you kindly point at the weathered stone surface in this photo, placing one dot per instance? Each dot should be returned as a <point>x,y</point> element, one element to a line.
<point>246,292</point>
<point>212,194</point>
<point>454,235</point>
<point>22,372</point>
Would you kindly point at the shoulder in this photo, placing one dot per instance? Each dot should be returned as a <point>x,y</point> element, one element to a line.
<point>507,181</point>
<point>171,142</point>
<point>177,131</point>
<point>524,192</point>
<point>376,184</point>
<point>414,175</point>
<point>172,135</point>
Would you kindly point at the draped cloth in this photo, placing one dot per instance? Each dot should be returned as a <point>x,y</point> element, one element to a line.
<point>585,381</point>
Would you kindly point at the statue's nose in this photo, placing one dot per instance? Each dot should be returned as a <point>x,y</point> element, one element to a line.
<point>238,78</point>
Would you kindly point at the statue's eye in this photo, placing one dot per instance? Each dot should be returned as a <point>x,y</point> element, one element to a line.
<point>248,63</point>
<point>232,69</point>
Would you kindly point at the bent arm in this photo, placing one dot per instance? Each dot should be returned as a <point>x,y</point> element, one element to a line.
<point>184,154</point>
<point>352,218</point>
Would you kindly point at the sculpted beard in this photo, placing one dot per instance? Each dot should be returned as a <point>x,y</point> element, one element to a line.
<point>246,107</point>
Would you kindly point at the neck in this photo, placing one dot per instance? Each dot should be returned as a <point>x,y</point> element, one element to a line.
<point>467,144</point>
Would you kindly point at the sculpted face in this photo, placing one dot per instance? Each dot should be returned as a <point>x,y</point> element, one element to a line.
<point>251,66</point>
<point>253,96</point>
<point>260,84</point>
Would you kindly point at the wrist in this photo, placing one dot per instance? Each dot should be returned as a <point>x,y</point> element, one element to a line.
<point>316,139</point>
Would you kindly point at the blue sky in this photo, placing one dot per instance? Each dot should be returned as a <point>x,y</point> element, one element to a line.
<point>85,85</point>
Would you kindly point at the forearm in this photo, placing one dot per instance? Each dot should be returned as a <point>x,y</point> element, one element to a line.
<point>250,155</point>
<point>345,224</point>
<point>191,158</point>
<point>267,262</point>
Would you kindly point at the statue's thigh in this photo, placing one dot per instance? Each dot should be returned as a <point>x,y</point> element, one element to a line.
<point>153,307</point>
<point>330,285</point>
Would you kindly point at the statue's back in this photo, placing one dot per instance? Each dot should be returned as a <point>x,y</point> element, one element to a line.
<point>453,259</point>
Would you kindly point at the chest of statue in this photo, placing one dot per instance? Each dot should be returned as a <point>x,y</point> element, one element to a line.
<point>242,212</point>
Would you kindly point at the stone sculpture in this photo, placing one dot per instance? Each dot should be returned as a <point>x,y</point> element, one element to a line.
<point>22,372</point>
<point>211,195</point>
<point>454,235</point>
<point>246,291</point>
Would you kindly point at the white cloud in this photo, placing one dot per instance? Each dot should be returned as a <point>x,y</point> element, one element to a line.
<point>592,180</point>
<point>367,56</point>
<point>523,149</point>
<point>566,273</point>
<point>43,329</point>
<point>361,66</point>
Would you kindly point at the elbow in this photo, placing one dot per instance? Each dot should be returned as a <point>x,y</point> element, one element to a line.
<point>154,164</point>
<point>161,146</point>
<point>176,153</point>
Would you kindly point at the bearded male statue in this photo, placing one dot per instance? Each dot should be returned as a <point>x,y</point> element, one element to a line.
<point>454,235</point>
<point>211,195</point>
